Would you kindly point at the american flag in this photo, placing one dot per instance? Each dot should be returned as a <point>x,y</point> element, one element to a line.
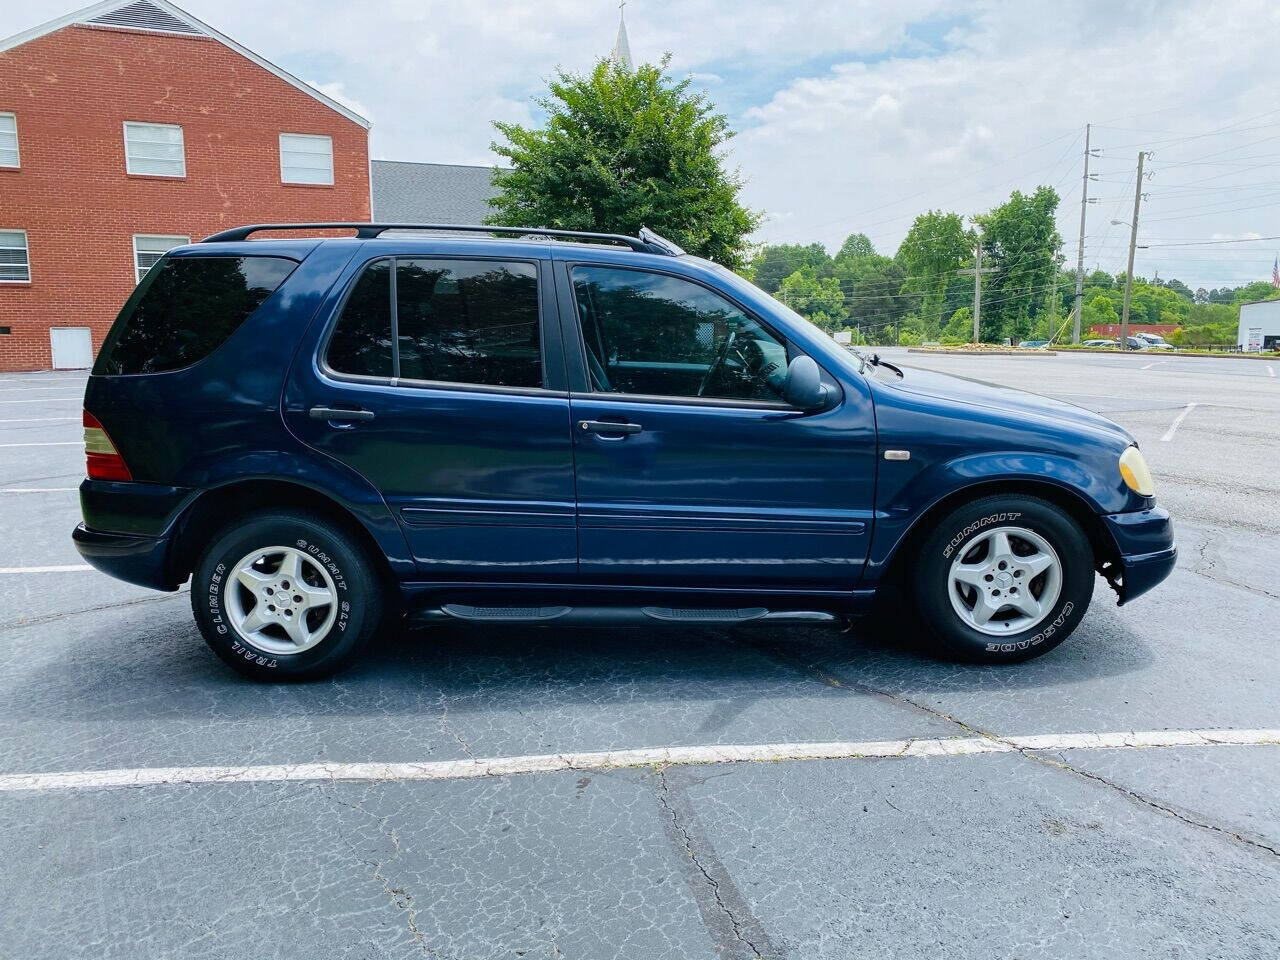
<point>1275,273</point>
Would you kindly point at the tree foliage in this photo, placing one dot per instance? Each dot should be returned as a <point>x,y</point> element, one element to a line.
<point>1020,238</point>
<point>773,263</point>
<point>819,299</point>
<point>621,150</point>
<point>936,246</point>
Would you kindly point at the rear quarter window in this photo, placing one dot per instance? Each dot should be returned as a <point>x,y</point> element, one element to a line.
<point>185,309</point>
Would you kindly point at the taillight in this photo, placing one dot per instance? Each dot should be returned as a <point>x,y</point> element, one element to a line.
<point>102,460</point>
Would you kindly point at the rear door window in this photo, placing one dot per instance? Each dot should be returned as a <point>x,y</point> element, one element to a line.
<point>185,308</point>
<point>472,322</point>
<point>361,341</point>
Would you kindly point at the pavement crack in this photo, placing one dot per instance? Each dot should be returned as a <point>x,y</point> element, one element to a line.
<point>399,897</point>
<point>832,680</point>
<point>711,875</point>
<point>1147,801</point>
<point>447,728</point>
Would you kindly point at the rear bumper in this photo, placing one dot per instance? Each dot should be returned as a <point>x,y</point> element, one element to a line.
<point>1146,548</point>
<point>134,559</point>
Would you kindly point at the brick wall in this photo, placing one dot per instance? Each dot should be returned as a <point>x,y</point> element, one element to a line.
<point>72,90</point>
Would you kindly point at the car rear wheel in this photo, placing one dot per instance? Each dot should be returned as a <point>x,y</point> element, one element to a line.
<point>1003,579</point>
<point>286,595</point>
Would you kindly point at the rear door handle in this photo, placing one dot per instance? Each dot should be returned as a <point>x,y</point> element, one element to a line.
<point>340,413</point>
<point>604,426</point>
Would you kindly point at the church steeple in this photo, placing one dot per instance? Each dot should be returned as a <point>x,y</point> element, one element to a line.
<point>621,54</point>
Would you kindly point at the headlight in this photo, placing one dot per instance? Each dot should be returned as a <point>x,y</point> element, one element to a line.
<point>1137,477</point>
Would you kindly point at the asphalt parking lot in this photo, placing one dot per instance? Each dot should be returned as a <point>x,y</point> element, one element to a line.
<point>972,843</point>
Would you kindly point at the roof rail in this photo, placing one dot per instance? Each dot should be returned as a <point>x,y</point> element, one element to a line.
<point>647,242</point>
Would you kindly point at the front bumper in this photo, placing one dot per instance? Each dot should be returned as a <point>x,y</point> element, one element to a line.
<point>126,556</point>
<point>1145,548</point>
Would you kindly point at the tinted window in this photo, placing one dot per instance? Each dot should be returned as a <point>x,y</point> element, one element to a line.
<point>655,334</point>
<point>361,342</point>
<point>469,322</point>
<point>186,308</point>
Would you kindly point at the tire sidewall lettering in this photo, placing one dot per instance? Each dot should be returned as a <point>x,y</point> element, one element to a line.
<point>975,526</point>
<point>1039,638</point>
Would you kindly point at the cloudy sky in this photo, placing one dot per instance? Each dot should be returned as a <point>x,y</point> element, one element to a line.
<point>855,115</point>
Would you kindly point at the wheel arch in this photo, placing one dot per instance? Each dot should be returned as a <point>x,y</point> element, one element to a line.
<point>1101,542</point>
<point>209,512</point>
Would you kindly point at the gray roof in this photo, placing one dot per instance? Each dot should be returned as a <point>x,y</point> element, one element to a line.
<point>406,192</point>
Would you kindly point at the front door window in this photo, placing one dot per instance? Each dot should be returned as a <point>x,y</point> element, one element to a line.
<point>658,335</point>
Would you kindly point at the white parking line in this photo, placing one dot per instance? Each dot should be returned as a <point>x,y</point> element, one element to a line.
<point>47,443</point>
<point>1177,422</point>
<point>1156,364</point>
<point>45,400</point>
<point>621,759</point>
<point>39,420</point>
<point>38,489</point>
<point>64,568</point>
<point>1271,371</point>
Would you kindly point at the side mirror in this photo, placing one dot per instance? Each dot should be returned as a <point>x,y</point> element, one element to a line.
<point>803,387</point>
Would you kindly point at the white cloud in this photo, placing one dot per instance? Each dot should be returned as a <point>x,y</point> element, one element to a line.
<point>853,114</point>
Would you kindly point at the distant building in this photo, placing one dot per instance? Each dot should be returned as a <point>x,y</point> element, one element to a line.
<point>405,192</point>
<point>1259,326</point>
<point>128,128</point>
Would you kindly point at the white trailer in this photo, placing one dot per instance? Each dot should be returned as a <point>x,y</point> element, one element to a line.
<point>1259,326</point>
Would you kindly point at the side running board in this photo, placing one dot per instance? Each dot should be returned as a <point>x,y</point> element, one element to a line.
<point>603,616</point>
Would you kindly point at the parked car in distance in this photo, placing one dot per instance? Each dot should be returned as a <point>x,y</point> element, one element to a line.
<point>536,427</point>
<point>1033,344</point>
<point>1153,341</point>
<point>1101,343</point>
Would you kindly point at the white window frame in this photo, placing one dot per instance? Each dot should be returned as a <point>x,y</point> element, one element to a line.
<point>26,248</point>
<point>128,161</point>
<point>284,177</point>
<point>177,241</point>
<point>17,147</point>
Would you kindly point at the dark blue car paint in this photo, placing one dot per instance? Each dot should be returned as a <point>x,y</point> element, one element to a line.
<point>474,492</point>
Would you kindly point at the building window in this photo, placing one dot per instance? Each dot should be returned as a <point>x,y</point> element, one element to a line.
<point>8,140</point>
<point>15,265</point>
<point>305,158</point>
<point>147,249</point>
<point>154,150</point>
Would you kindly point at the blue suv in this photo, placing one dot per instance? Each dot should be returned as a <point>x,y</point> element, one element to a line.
<point>533,426</point>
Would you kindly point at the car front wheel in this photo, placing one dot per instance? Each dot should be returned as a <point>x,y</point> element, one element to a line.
<point>286,595</point>
<point>1003,579</point>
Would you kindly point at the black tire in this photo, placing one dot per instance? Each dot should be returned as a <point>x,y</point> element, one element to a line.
<point>357,608</point>
<point>963,533</point>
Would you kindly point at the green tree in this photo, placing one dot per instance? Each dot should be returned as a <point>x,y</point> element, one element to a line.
<point>1099,310</point>
<point>872,285</point>
<point>959,329</point>
<point>855,246</point>
<point>1258,290</point>
<point>621,150</point>
<point>774,262</point>
<point>936,246</point>
<point>818,299</point>
<point>1020,238</point>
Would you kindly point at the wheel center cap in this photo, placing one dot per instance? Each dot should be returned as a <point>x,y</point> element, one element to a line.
<point>1004,578</point>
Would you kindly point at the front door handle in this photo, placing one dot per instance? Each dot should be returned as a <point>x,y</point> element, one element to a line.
<point>340,413</point>
<point>606,427</point>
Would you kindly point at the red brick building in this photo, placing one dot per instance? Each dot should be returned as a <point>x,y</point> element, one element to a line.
<point>128,128</point>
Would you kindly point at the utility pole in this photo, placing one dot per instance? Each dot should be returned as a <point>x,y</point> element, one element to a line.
<point>977,271</point>
<point>1084,203</point>
<point>1133,243</point>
